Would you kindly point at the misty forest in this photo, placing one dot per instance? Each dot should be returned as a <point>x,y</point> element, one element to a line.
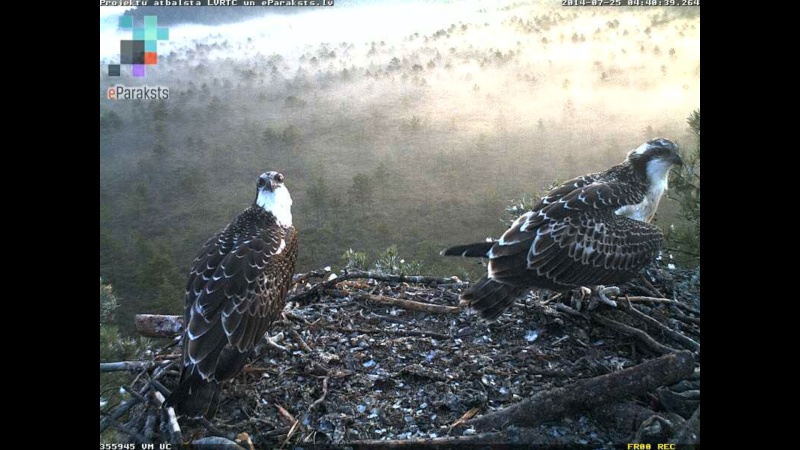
<point>396,141</point>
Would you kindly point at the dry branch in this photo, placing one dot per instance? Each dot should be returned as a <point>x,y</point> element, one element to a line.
<point>168,413</point>
<point>124,408</point>
<point>324,394</point>
<point>664,300</point>
<point>591,393</point>
<point>674,335</point>
<point>409,304</point>
<point>157,325</point>
<point>131,366</point>
<point>690,432</point>
<point>303,277</point>
<point>217,442</point>
<point>645,338</point>
<point>300,341</point>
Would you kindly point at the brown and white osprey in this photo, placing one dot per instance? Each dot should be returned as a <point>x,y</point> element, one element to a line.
<point>236,288</point>
<point>593,230</point>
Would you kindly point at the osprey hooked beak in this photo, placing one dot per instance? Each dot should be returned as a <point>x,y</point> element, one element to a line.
<point>675,158</point>
<point>277,180</point>
<point>270,181</point>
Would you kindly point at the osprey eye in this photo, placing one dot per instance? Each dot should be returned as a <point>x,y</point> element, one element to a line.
<point>279,178</point>
<point>262,182</point>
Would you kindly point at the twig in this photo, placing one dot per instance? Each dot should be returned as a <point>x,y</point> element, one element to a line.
<point>409,304</point>
<point>170,417</point>
<point>590,393</point>
<point>677,337</point>
<point>301,278</point>
<point>124,408</point>
<point>150,427</point>
<point>127,430</point>
<point>300,340</point>
<point>216,442</point>
<point>467,415</point>
<point>664,300</point>
<point>136,395</point>
<point>130,366</point>
<point>291,433</point>
<point>679,315</point>
<point>158,325</point>
<point>650,286</point>
<point>286,414</point>
<point>324,394</point>
<point>421,333</point>
<point>160,388</point>
<point>690,432</point>
<point>212,429</point>
<point>560,307</point>
<point>645,338</point>
<point>119,412</point>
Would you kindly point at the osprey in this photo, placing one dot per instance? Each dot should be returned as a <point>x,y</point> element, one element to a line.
<point>236,288</point>
<point>593,230</point>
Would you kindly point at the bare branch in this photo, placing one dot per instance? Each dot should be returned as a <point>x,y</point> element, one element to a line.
<point>409,304</point>
<point>591,393</point>
<point>157,325</point>
<point>645,338</point>
<point>170,417</point>
<point>131,366</point>
<point>674,335</point>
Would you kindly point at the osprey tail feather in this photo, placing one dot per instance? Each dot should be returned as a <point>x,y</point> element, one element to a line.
<point>476,250</point>
<point>195,396</point>
<point>490,298</point>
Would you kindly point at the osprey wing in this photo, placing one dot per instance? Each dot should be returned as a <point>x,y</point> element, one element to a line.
<point>234,294</point>
<point>575,238</point>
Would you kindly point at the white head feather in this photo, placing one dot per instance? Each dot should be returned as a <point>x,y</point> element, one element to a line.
<point>274,197</point>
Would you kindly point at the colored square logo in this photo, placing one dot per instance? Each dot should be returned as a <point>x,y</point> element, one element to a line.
<point>142,49</point>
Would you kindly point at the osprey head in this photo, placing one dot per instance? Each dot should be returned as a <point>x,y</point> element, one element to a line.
<point>273,197</point>
<point>655,158</point>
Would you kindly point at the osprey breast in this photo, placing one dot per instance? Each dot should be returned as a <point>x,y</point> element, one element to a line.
<point>646,209</point>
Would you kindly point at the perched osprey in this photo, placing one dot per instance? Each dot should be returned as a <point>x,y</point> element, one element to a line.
<point>236,289</point>
<point>593,230</point>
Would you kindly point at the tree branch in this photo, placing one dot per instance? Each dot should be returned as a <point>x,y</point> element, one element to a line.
<point>157,325</point>
<point>645,338</point>
<point>409,304</point>
<point>674,335</point>
<point>131,366</point>
<point>590,393</point>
